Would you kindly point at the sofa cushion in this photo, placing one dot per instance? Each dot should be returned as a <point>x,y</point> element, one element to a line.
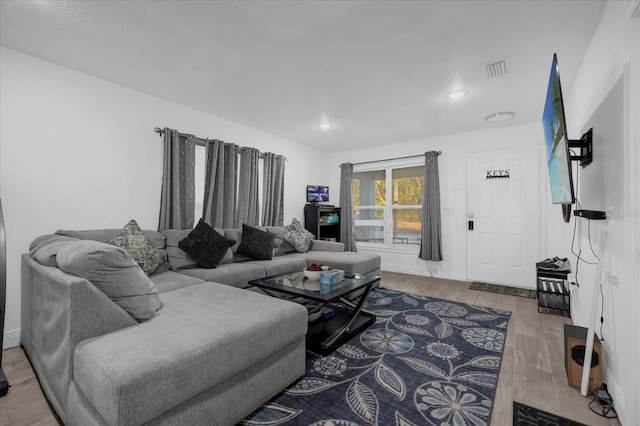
<point>256,243</point>
<point>357,263</point>
<point>235,235</point>
<point>114,272</point>
<point>102,235</point>
<point>205,245</point>
<point>280,265</point>
<point>178,259</point>
<point>169,280</point>
<point>233,274</point>
<point>44,249</point>
<point>134,242</point>
<point>280,246</point>
<point>207,333</point>
<point>299,238</point>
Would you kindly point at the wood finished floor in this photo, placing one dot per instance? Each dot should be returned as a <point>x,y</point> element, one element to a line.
<point>532,369</point>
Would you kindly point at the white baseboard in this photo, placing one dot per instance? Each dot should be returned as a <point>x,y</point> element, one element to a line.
<point>11,339</point>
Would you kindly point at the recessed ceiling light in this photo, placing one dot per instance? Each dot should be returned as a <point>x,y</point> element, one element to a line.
<point>454,95</point>
<point>499,117</point>
<point>325,125</point>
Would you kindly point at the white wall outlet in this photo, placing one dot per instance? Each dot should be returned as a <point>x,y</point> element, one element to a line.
<point>571,278</point>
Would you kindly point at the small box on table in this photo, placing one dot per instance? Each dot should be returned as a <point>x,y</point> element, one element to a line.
<point>332,276</point>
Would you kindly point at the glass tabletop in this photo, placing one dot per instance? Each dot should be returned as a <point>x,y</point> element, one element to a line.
<point>297,284</point>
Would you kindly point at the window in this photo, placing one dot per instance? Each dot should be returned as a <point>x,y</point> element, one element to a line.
<point>387,200</point>
<point>200,171</point>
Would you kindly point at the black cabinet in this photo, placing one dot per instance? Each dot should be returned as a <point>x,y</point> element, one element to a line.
<point>323,221</point>
<point>553,291</point>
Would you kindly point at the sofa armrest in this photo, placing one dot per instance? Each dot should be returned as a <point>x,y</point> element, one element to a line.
<point>59,310</point>
<point>323,245</point>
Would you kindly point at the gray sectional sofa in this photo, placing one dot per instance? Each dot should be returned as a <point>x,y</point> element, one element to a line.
<point>212,354</point>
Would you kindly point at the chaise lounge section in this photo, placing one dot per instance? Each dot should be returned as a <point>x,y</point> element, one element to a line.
<point>212,354</point>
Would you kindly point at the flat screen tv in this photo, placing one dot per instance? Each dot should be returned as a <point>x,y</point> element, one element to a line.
<point>317,193</point>
<point>556,141</point>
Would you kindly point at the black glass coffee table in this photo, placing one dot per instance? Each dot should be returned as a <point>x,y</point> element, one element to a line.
<point>346,298</point>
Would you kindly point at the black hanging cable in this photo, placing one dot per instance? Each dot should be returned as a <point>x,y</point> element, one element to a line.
<point>577,268</point>
<point>601,312</point>
<point>589,236</point>
<point>573,238</point>
<point>604,409</point>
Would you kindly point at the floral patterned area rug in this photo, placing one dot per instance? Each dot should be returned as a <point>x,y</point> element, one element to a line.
<point>425,361</point>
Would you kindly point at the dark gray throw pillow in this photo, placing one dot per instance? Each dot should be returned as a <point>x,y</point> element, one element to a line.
<point>205,245</point>
<point>256,244</point>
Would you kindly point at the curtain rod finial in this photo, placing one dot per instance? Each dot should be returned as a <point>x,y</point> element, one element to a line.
<point>159,131</point>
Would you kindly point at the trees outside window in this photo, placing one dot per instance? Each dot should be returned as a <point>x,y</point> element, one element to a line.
<point>387,201</point>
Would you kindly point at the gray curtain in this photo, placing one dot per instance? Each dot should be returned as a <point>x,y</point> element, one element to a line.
<point>273,190</point>
<point>430,243</point>
<point>347,235</point>
<point>248,206</point>
<point>230,186</point>
<point>221,176</point>
<point>177,200</point>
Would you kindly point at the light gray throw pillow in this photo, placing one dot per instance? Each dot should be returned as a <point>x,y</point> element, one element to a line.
<point>114,272</point>
<point>44,249</point>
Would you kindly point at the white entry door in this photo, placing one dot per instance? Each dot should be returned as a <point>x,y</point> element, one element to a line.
<point>503,216</point>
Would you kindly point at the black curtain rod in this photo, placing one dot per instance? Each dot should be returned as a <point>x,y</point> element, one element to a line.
<point>202,142</point>
<point>391,159</point>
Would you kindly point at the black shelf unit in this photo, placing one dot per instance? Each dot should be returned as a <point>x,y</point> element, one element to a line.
<point>323,221</point>
<point>553,291</point>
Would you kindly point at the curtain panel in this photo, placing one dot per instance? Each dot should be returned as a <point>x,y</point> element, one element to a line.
<point>230,187</point>
<point>347,235</point>
<point>219,206</point>
<point>248,207</point>
<point>273,190</point>
<point>430,243</point>
<point>177,199</point>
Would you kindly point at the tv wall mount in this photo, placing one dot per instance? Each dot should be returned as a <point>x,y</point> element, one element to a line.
<point>585,143</point>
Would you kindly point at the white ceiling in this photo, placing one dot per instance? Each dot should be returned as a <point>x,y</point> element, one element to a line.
<point>379,70</point>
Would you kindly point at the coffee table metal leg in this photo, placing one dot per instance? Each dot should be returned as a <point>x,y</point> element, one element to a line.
<point>327,343</point>
<point>352,305</point>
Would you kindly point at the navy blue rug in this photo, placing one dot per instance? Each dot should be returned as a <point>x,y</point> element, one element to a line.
<point>424,361</point>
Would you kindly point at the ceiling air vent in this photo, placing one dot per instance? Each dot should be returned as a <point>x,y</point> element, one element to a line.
<point>496,69</point>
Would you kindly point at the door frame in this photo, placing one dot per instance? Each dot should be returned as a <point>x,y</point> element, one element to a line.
<point>543,191</point>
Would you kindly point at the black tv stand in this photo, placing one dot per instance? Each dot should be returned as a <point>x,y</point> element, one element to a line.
<point>323,221</point>
<point>585,143</point>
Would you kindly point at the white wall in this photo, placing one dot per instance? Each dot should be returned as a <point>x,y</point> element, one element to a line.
<point>602,97</point>
<point>79,152</point>
<point>452,165</point>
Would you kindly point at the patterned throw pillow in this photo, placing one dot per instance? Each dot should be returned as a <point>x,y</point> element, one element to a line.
<point>134,242</point>
<point>205,245</point>
<point>299,238</point>
<point>256,244</point>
